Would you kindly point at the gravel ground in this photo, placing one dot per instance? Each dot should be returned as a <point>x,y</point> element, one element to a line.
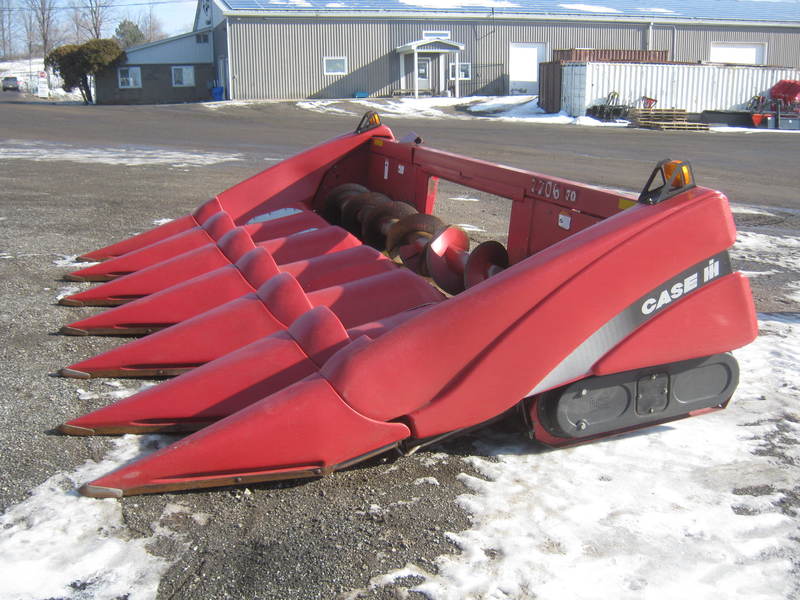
<point>316,539</point>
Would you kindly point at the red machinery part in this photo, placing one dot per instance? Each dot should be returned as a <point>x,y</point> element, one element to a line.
<point>274,307</point>
<point>209,290</point>
<point>201,396</point>
<point>383,362</point>
<point>786,90</point>
<point>213,230</point>
<point>229,249</point>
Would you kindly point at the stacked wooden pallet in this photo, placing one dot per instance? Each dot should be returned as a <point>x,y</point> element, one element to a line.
<point>664,119</point>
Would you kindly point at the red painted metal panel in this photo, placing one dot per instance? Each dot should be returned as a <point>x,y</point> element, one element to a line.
<point>715,319</point>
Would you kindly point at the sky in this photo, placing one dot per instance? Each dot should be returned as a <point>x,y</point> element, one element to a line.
<point>176,16</point>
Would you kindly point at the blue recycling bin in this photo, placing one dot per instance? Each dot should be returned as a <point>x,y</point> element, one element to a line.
<point>218,93</point>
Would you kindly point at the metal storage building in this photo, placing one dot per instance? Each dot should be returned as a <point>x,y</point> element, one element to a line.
<point>340,48</point>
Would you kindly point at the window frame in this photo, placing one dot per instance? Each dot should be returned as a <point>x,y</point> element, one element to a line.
<point>183,75</point>
<point>435,34</point>
<point>136,79</point>
<point>328,72</point>
<point>451,71</point>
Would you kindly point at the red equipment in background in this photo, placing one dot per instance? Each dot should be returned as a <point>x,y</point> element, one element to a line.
<point>781,110</point>
<point>299,350</point>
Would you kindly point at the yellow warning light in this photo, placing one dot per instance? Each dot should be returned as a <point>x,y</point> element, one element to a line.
<point>681,172</point>
<point>370,120</point>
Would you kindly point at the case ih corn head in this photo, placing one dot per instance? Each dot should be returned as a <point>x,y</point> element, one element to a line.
<point>317,314</point>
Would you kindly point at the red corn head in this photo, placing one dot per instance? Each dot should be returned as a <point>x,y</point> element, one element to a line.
<point>209,290</point>
<point>275,306</point>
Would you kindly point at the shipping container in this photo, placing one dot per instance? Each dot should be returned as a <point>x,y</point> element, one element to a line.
<point>694,88</point>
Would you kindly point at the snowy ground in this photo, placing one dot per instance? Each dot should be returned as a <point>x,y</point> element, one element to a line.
<point>694,509</point>
<point>513,109</point>
<point>702,508</point>
<point>111,155</point>
<point>519,109</point>
<point>27,72</point>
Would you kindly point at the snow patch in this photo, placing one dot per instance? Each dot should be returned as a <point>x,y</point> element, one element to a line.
<point>159,222</point>
<point>592,8</point>
<point>58,544</point>
<point>728,129</point>
<point>70,261</point>
<point>502,104</point>
<point>445,4</point>
<point>663,11</point>
<point>325,106</point>
<point>426,480</point>
<point>781,251</point>
<point>743,209</point>
<point>127,156</point>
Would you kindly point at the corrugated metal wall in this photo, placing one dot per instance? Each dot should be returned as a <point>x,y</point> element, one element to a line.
<point>691,44</point>
<point>694,88</point>
<point>283,57</point>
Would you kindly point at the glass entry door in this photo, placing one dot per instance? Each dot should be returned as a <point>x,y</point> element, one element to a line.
<point>424,73</point>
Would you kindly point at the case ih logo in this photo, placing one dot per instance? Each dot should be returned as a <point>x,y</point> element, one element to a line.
<point>685,283</point>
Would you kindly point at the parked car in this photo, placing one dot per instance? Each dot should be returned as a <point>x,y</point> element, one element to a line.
<point>10,83</point>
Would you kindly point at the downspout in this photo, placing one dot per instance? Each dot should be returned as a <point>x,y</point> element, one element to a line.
<point>674,40</point>
<point>674,29</point>
<point>648,41</point>
<point>229,62</point>
<point>416,74</point>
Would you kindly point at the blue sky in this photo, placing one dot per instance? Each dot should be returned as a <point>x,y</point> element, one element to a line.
<point>176,16</point>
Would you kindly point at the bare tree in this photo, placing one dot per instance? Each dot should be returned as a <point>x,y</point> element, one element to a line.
<point>76,24</point>
<point>151,26</point>
<point>43,14</point>
<point>96,14</point>
<point>7,28</point>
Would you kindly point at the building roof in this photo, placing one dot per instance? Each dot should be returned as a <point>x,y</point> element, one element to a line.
<point>765,11</point>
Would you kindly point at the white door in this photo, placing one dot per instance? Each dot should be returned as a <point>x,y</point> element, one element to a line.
<point>523,67</point>
<point>424,73</point>
<point>738,53</point>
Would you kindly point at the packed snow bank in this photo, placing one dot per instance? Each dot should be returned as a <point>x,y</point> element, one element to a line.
<point>520,109</point>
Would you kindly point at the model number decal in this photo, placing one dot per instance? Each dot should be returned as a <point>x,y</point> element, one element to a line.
<point>552,190</point>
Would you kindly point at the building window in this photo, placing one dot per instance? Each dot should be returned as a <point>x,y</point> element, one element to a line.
<point>335,65</point>
<point>182,76</point>
<point>129,77</point>
<point>201,38</point>
<point>435,35</point>
<point>464,68</point>
<point>742,53</point>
